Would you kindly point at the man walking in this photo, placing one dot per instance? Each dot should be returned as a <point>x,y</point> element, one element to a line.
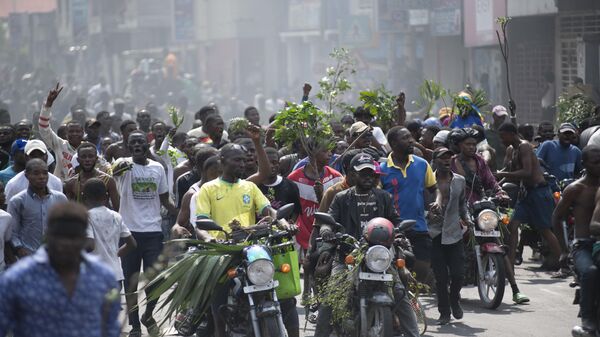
<point>407,177</point>
<point>60,291</point>
<point>29,209</point>
<point>142,184</point>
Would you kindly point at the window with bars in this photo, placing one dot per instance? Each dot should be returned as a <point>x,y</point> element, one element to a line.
<point>573,25</point>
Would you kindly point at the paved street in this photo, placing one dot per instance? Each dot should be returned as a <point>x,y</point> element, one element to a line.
<point>549,314</point>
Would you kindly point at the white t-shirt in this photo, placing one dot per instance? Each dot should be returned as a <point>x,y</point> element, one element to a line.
<point>379,135</point>
<point>5,234</point>
<point>20,183</point>
<point>196,189</point>
<point>140,188</point>
<point>107,228</point>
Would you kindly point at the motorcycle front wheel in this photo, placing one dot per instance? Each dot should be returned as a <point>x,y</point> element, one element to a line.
<point>269,327</point>
<point>491,286</point>
<point>379,322</point>
<point>419,312</point>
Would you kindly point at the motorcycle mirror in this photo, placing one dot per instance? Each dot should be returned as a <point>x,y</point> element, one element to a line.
<point>406,225</point>
<point>285,211</point>
<point>208,225</point>
<point>325,218</point>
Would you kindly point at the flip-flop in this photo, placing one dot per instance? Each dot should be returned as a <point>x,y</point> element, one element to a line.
<point>520,298</point>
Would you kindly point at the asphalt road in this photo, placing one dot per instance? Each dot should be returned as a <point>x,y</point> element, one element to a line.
<point>549,314</point>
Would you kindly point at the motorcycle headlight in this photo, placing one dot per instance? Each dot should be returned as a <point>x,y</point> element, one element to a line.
<point>260,272</point>
<point>487,220</point>
<point>378,258</point>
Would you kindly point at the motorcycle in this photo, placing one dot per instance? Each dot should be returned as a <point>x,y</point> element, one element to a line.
<point>485,255</point>
<point>371,301</point>
<point>269,269</point>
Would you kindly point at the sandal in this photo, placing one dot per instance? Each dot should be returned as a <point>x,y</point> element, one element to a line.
<point>520,298</point>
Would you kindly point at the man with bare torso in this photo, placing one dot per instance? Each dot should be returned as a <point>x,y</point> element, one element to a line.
<point>120,149</point>
<point>87,158</point>
<point>535,202</point>
<point>581,198</point>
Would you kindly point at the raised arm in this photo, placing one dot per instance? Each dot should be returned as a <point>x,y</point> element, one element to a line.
<point>264,167</point>
<point>48,135</point>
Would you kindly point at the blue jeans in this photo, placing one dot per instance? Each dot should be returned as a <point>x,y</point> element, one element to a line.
<point>149,247</point>
<point>588,278</point>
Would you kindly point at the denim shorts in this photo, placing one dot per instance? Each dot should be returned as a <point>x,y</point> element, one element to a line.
<point>536,208</point>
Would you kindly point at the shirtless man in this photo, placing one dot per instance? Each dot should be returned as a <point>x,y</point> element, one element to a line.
<point>87,158</point>
<point>582,198</point>
<point>120,149</point>
<point>535,208</point>
<point>186,166</point>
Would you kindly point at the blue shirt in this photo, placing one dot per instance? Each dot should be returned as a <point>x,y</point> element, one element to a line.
<point>35,303</point>
<point>563,162</point>
<point>30,217</point>
<point>471,119</point>
<point>7,174</point>
<point>406,186</point>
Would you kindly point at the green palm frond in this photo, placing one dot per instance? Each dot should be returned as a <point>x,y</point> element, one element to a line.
<point>191,281</point>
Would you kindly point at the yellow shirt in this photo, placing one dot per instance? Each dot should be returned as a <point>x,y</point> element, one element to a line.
<point>223,202</point>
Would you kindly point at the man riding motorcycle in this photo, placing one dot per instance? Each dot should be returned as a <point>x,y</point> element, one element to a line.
<point>230,198</point>
<point>479,179</point>
<point>354,208</point>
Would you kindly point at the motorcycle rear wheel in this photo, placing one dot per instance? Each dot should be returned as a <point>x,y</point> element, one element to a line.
<point>269,327</point>
<point>491,287</point>
<point>379,322</point>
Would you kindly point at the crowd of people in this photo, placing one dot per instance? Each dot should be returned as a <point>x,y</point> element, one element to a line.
<point>118,188</point>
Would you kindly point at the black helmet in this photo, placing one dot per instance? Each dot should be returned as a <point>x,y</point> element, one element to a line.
<point>456,136</point>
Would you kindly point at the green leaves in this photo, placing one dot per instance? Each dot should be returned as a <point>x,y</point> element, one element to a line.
<point>238,125</point>
<point>503,21</point>
<point>574,108</point>
<point>334,84</point>
<point>191,281</point>
<point>430,92</point>
<point>175,117</point>
<point>382,105</point>
<point>305,123</point>
<point>464,104</point>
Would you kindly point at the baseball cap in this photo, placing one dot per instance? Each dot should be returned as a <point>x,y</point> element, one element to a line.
<point>35,144</point>
<point>440,151</point>
<point>358,128</point>
<point>442,136</point>
<point>363,161</point>
<point>500,111</point>
<point>567,127</point>
<point>18,145</point>
<point>445,112</point>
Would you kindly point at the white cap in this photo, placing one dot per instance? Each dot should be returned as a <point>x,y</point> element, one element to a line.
<point>500,111</point>
<point>442,136</point>
<point>35,144</point>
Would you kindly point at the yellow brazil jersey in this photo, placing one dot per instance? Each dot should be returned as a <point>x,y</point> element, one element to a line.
<point>223,202</point>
